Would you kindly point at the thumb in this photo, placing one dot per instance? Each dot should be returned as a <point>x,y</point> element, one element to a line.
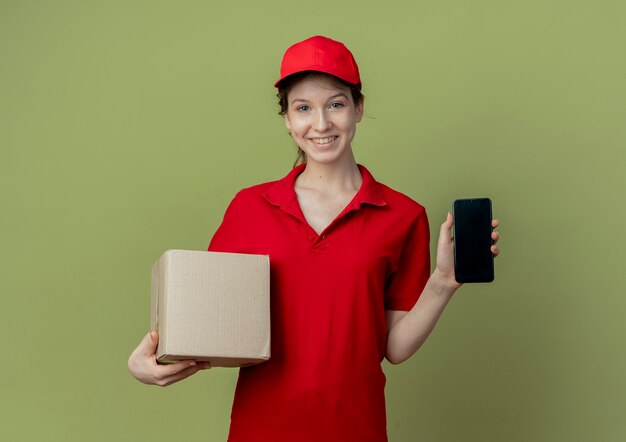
<point>444,234</point>
<point>149,343</point>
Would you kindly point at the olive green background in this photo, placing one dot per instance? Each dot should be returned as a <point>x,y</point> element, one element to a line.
<point>126,127</point>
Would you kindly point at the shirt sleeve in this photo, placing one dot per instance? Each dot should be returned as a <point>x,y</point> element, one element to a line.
<point>406,284</point>
<point>229,235</point>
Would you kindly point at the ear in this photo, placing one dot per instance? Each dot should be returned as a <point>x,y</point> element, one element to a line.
<point>359,110</point>
<point>287,122</point>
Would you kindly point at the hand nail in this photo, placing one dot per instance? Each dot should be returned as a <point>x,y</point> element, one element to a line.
<point>192,363</point>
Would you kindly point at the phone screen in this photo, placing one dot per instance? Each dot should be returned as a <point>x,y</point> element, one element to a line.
<point>473,260</point>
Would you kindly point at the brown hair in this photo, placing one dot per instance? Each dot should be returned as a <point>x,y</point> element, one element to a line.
<point>288,83</point>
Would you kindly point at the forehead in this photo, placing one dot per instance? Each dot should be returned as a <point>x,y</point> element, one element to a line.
<point>317,87</point>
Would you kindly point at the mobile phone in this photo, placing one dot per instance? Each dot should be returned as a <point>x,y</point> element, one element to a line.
<point>473,260</point>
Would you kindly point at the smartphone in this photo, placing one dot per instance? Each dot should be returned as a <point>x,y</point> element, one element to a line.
<point>473,260</point>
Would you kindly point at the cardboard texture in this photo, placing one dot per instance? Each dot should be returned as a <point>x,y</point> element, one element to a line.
<point>211,306</point>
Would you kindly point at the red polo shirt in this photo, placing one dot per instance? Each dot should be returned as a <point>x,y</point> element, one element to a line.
<point>329,292</point>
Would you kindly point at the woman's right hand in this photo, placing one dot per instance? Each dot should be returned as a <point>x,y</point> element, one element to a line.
<point>143,365</point>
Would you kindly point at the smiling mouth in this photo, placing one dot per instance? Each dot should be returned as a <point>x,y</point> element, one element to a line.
<point>326,140</point>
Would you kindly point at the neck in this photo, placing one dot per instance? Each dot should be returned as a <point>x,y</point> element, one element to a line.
<point>341,175</point>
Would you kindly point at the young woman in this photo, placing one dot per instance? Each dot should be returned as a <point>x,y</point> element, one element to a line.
<point>350,271</point>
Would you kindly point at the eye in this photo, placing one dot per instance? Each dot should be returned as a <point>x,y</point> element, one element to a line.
<point>303,108</point>
<point>336,105</point>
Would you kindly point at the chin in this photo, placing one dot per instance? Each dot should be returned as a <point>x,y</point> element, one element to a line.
<point>322,159</point>
<point>325,157</point>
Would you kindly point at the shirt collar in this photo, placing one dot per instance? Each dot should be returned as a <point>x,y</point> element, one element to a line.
<point>283,194</point>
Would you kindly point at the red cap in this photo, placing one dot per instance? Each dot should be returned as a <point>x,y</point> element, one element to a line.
<point>320,54</point>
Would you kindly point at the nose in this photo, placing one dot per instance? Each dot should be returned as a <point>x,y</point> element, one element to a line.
<point>321,122</point>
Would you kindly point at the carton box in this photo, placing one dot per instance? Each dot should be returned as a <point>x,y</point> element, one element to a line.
<point>211,306</point>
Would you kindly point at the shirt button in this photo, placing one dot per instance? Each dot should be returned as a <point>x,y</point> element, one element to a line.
<point>323,236</point>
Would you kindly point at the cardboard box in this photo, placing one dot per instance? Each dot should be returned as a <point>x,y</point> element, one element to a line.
<point>211,306</point>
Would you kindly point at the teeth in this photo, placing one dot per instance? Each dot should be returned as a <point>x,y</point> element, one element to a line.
<point>323,140</point>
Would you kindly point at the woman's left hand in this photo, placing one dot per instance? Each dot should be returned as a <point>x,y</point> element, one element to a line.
<point>445,252</point>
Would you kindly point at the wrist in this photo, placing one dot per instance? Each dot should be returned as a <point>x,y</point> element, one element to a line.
<point>444,284</point>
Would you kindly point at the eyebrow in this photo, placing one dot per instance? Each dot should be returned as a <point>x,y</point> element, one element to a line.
<point>340,94</point>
